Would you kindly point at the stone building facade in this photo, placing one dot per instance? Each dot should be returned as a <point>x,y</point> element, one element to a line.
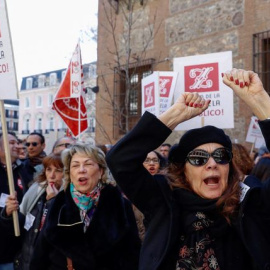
<point>163,30</point>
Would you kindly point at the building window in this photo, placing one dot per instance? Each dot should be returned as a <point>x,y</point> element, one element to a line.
<point>50,100</point>
<point>29,83</point>
<point>26,102</point>
<point>63,74</point>
<point>92,71</point>
<point>261,57</point>
<point>39,123</point>
<point>51,123</point>
<point>39,101</point>
<point>15,126</point>
<point>26,124</point>
<point>53,79</point>
<point>127,115</point>
<point>41,81</point>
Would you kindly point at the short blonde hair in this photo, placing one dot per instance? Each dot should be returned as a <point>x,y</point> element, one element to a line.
<point>95,153</point>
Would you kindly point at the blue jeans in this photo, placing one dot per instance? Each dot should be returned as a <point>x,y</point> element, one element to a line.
<point>6,266</point>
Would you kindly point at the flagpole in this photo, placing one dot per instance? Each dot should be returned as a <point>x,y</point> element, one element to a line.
<point>79,111</point>
<point>79,118</point>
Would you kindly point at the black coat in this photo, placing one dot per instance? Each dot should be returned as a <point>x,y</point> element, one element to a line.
<point>22,175</point>
<point>111,241</point>
<point>152,195</point>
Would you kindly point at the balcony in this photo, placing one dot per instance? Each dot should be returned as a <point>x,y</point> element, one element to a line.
<point>47,131</point>
<point>38,131</point>
<point>26,131</point>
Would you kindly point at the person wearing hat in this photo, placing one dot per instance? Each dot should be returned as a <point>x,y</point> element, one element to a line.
<point>199,214</point>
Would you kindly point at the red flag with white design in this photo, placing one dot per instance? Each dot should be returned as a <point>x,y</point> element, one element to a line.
<point>69,101</point>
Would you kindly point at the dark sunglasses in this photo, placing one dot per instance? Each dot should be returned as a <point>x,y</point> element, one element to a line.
<point>67,145</point>
<point>199,157</point>
<point>33,143</point>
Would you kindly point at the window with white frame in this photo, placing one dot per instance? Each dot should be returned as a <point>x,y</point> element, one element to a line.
<point>61,124</point>
<point>39,101</point>
<point>26,124</point>
<point>63,74</point>
<point>26,102</point>
<point>53,79</point>
<point>39,123</point>
<point>29,83</point>
<point>50,99</point>
<point>51,123</point>
<point>41,80</point>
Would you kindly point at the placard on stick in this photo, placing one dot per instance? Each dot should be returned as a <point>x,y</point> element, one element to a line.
<point>8,90</point>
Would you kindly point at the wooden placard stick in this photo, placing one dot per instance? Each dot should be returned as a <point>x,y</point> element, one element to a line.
<point>9,166</point>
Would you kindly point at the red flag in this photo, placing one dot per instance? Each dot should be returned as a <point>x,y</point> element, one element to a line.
<point>69,101</point>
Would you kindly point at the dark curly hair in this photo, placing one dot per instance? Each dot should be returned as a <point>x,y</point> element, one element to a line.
<point>242,158</point>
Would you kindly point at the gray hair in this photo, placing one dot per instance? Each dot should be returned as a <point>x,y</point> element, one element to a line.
<point>95,153</point>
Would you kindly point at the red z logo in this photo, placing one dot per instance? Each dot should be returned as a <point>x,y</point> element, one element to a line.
<point>149,95</point>
<point>202,78</point>
<point>165,84</point>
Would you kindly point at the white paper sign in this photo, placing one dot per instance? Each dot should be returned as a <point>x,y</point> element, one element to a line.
<point>150,94</point>
<point>8,80</point>
<point>202,74</point>
<point>157,91</point>
<point>254,134</point>
<point>167,82</point>
<point>3,199</point>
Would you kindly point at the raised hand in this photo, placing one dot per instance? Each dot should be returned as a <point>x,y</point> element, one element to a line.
<point>187,106</point>
<point>248,87</point>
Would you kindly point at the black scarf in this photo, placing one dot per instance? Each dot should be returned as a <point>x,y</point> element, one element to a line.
<point>34,161</point>
<point>202,223</point>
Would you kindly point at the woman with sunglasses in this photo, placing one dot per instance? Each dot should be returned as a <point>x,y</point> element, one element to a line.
<point>199,214</point>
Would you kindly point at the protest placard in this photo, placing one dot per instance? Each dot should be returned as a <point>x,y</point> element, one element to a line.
<point>202,74</point>
<point>254,134</point>
<point>8,79</point>
<point>8,90</point>
<point>157,91</point>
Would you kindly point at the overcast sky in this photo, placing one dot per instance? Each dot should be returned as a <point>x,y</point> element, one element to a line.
<point>45,33</point>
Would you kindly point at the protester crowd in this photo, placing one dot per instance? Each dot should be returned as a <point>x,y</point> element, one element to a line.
<point>201,203</point>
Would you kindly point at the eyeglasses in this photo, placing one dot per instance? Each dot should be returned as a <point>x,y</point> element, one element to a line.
<point>149,160</point>
<point>33,143</point>
<point>199,157</point>
<point>67,145</point>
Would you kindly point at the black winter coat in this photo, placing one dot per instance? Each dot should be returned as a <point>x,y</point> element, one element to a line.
<point>111,241</point>
<point>247,240</point>
<point>22,175</point>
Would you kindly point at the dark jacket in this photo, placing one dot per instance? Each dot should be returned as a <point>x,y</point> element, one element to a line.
<point>152,195</point>
<point>111,241</point>
<point>34,203</point>
<point>22,175</point>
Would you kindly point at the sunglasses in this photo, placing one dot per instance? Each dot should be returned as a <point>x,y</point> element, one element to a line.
<point>199,157</point>
<point>67,145</point>
<point>33,143</point>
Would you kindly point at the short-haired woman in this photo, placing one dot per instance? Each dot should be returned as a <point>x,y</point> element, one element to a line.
<point>90,225</point>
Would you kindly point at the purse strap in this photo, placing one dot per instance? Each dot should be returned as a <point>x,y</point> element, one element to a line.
<point>69,264</point>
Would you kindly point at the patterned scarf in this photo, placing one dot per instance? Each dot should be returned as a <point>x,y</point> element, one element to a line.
<point>87,203</point>
<point>34,161</point>
<point>202,224</point>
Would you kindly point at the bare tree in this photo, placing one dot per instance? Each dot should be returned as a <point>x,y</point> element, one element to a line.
<point>128,52</point>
